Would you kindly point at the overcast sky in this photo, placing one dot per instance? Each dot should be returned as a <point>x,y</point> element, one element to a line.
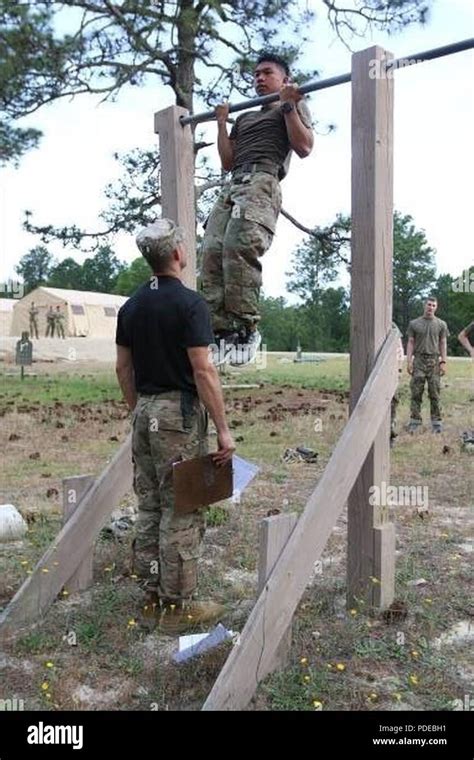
<point>63,181</point>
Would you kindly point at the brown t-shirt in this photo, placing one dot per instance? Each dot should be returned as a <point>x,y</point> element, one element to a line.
<point>427,333</point>
<point>261,136</point>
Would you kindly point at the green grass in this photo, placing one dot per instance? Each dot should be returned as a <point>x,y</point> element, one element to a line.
<point>330,374</point>
<point>323,635</point>
<point>62,387</point>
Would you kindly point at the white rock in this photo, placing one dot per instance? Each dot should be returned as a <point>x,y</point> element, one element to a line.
<point>12,524</point>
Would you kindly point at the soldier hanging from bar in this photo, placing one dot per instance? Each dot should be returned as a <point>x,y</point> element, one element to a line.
<point>242,222</point>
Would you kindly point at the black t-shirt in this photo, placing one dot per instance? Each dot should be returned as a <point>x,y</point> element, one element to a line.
<point>158,323</point>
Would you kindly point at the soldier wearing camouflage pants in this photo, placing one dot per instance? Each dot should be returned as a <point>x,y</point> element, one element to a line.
<point>163,337</point>
<point>426,363</point>
<point>242,223</point>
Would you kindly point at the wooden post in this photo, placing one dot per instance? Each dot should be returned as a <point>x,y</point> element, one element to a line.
<point>251,659</point>
<point>274,534</point>
<point>177,179</point>
<point>371,539</point>
<point>74,488</point>
<point>65,554</point>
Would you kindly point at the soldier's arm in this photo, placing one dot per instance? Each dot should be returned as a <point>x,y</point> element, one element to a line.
<point>410,349</point>
<point>210,392</point>
<point>225,145</point>
<point>126,375</point>
<point>443,350</point>
<point>464,341</point>
<point>300,136</point>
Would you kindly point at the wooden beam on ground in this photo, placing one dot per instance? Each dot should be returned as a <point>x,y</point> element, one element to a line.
<point>74,488</point>
<point>252,658</point>
<point>274,534</point>
<point>371,558</point>
<point>71,545</point>
<point>177,179</point>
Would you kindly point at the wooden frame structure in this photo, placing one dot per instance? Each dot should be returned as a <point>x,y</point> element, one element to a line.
<point>361,457</point>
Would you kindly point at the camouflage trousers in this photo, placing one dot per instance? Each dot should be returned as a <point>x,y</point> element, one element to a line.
<point>34,328</point>
<point>393,411</point>
<point>239,230</point>
<point>167,428</point>
<point>425,369</point>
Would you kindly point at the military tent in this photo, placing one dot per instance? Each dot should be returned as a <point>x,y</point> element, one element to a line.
<point>6,315</point>
<point>86,314</point>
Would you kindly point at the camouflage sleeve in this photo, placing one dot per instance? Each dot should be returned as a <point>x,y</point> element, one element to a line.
<point>305,113</point>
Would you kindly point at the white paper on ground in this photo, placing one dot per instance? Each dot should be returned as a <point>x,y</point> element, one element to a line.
<point>244,472</point>
<point>189,641</point>
<point>202,642</point>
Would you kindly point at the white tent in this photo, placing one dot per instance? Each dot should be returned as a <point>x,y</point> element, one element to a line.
<point>6,315</point>
<point>86,314</point>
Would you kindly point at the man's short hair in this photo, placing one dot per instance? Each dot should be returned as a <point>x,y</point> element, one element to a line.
<point>432,298</point>
<point>157,242</point>
<point>274,58</point>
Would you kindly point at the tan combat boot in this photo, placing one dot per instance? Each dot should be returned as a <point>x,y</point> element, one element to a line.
<point>187,616</point>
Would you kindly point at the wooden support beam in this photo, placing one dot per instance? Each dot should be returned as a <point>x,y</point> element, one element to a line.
<point>74,488</point>
<point>370,557</point>
<point>251,660</point>
<point>177,179</point>
<point>71,545</point>
<point>274,534</point>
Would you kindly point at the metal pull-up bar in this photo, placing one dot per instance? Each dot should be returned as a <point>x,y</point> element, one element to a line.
<point>324,84</point>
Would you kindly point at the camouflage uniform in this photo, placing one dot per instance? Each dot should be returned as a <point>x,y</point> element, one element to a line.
<point>33,313</point>
<point>50,323</point>
<point>59,320</point>
<point>239,231</point>
<point>167,428</point>
<point>427,334</point>
<point>396,396</point>
<point>425,369</point>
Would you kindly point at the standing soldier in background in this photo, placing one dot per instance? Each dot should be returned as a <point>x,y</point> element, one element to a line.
<point>34,311</point>
<point>466,339</point>
<point>59,318</point>
<point>50,322</point>
<point>426,362</point>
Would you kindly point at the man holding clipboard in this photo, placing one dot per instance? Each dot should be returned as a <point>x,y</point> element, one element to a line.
<point>167,378</point>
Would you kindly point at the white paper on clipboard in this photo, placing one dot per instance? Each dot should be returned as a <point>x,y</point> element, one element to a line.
<point>243,473</point>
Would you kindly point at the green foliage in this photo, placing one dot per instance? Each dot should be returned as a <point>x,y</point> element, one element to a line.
<point>35,267</point>
<point>67,274</point>
<point>100,271</point>
<point>130,279</point>
<point>456,305</point>
<point>414,270</point>
<point>216,516</point>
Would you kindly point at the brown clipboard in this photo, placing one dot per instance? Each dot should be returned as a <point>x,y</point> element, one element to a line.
<point>199,482</point>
